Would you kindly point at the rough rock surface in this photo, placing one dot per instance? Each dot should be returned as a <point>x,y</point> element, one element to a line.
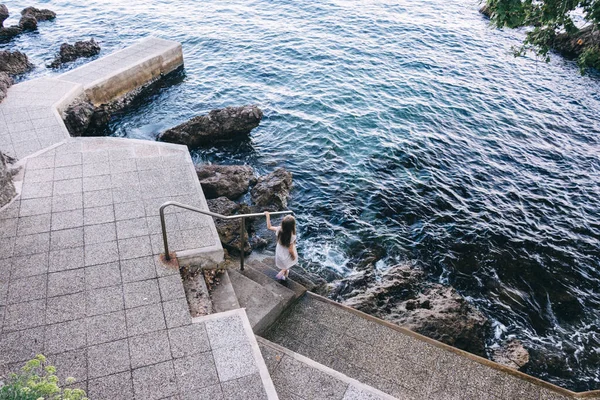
<point>511,354</point>
<point>218,126</point>
<point>69,52</point>
<point>28,22</point>
<point>7,189</point>
<point>82,116</point>
<point>485,11</point>
<point>3,14</point>
<point>273,191</point>
<point>5,82</point>
<point>10,32</point>
<point>229,230</point>
<point>230,181</point>
<point>40,15</point>
<point>403,296</point>
<point>14,63</point>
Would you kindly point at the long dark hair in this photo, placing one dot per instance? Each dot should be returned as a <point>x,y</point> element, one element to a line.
<point>288,228</point>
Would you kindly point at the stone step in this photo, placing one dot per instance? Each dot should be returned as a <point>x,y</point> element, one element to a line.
<point>265,275</point>
<point>223,296</point>
<point>396,360</point>
<point>298,377</point>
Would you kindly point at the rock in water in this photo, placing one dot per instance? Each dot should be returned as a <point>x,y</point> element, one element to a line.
<point>3,14</point>
<point>14,63</point>
<point>8,33</point>
<point>5,82</point>
<point>229,230</point>
<point>230,181</point>
<point>69,52</point>
<point>40,15</point>
<point>218,126</point>
<point>402,295</point>
<point>28,23</point>
<point>77,117</point>
<point>273,191</point>
<point>511,354</point>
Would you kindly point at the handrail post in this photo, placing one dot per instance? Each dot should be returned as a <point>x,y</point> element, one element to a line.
<point>164,232</point>
<point>242,242</point>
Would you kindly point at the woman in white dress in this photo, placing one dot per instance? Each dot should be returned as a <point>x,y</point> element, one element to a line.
<point>285,251</point>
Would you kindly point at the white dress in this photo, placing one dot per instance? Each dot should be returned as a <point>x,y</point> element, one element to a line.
<point>283,259</point>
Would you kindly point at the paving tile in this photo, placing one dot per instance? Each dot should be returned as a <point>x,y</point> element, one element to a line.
<point>155,227</point>
<point>164,270</point>
<point>104,300</point>
<point>129,210</point>
<point>188,340</point>
<point>99,182</point>
<point>155,381</point>
<point>234,362</point>
<point>98,215</point>
<point>106,328</point>
<point>145,319</point>
<point>37,206</point>
<point>195,372</point>
<point>95,169</point>
<point>95,157</point>
<point>36,190</point>
<point>22,345</point>
<point>62,260</point>
<point>65,336</point>
<point>125,195</point>
<point>40,163</point>
<point>102,275</point>
<point>135,247</point>
<point>27,289</point>
<point>67,219</point>
<point>149,348</point>
<point>66,282</point>
<point>138,269</point>
<point>171,288</point>
<point>354,393</point>
<point>30,265</point>
<point>108,358</point>
<point>226,332</point>
<point>65,308</point>
<point>292,375</point>
<point>141,293</point>
<point>324,386</point>
<point>101,253</point>
<point>213,392</point>
<point>73,201</point>
<point>71,364</point>
<point>66,238</point>
<point>130,228</point>
<point>100,233</point>
<point>65,160</point>
<point>32,244</point>
<point>271,356</point>
<point>8,227</point>
<point>24,315</point>
<point>97,198</point>
<point>70,172</point>
<point>177,313</point>
<point>114,387</point>
<point>248,387</point>
<point>67,186</point>
<point>34,224</point>
<point>122,166</point>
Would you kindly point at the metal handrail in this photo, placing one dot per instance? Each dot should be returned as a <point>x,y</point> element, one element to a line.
<point>214,215</point>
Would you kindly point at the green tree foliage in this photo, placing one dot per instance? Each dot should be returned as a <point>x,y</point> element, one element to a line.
<point>37,381</point>
<point>552,27</point>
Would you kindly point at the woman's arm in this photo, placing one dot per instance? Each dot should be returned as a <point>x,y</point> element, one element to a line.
<point>269,226</point>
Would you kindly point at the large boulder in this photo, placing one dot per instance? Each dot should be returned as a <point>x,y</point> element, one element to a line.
<point>402,295</point>
<point>14,63</point>
<point>39,15</point>
<point>220,125</point>
<point>5,82</point>
<point>9,33</point>
<point>71,52</point>
<point>512,354</point>
<point>273,191</point>
<point>28,23</point>
<point>229,230</point>
<point>82,118</point>
<point>3,14</point>
<point>230,181</point>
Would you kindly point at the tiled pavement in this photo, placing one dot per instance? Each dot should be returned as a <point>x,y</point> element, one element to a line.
<point>79,275</point>
<point>396,363</point>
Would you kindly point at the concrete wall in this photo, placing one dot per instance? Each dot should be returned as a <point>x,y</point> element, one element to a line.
<point>7,189</point>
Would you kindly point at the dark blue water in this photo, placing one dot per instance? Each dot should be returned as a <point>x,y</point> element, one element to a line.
<point>411,132</point>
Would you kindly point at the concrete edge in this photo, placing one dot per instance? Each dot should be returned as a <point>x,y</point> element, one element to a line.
<point>329,371</point>
<point>472,357</point>
<point>260,362</point>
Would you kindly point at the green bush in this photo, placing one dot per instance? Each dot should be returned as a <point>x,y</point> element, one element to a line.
<point>37,381</point>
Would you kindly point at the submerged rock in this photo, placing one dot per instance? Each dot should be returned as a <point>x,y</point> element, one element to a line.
<point>403,296</point>
<point>14,63</point>
<point>511,354</point>
<point>28,23</point>
<point>229,230</point>
<point>273,191</point>
<point>40,15</point>
<point>10,32</point>
<point>69,52</point>
<point>218,126</point>
<point>230,181</point>
<point>5,82</point>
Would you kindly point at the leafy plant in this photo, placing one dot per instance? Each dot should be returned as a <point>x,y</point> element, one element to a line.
<point>37,381</point>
